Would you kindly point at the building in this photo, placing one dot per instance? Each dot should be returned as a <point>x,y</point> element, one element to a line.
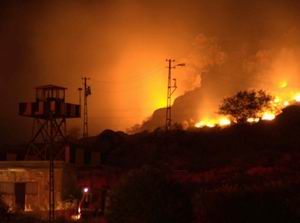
<point>24,185</point>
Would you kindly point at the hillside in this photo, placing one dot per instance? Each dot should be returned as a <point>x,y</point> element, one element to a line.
<point>254,164</point>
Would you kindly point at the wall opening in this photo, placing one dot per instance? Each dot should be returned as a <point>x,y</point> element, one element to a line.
<point>20,189</point>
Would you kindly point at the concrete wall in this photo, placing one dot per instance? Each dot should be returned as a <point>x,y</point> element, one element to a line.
<point>36,176</point>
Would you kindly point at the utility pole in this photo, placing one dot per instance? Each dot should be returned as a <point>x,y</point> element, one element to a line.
<point>170,90</point>
<point>86,92</point>
<point>80,92</point>
<point>51,173</point>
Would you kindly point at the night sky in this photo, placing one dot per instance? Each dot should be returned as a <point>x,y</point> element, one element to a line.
<point>227,45</point>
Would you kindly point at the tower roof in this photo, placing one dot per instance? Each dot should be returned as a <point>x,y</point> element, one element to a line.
<point>51,86</point>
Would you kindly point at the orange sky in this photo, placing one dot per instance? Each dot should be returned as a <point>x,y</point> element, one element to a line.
<point>122,45</point>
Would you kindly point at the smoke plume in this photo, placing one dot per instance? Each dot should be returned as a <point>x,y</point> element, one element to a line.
<point>274,68</point>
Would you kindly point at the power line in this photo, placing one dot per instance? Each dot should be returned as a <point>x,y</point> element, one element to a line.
<point>134,77</point>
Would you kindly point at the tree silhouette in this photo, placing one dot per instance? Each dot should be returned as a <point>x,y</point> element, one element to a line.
<point>246,104</point>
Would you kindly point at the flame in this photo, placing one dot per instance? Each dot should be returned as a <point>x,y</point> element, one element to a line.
<point>224,122</point>
<point>276,100</point>
<point>208,123</point>
<point>297,97</point>
<point>286,103</point>
<point>211,123</point>
<point>283,98</point>
<point>253,120</point>
<point>268,116</point>
<point>77,216</point>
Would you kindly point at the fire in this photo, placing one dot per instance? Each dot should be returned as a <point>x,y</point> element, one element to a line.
<point>253,120</point>
<point>283,98</point>
<point>77,216</point>
<point>277,100</point>
<point>207,123</point>
<point>211,123</point>
<point>268,116</point>
<point>224,122</point>
<point>286,103</point>
<point>297,97</point>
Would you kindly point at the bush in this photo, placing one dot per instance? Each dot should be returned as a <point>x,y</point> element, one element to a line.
<point>246,207</point>
<point>148,196</point>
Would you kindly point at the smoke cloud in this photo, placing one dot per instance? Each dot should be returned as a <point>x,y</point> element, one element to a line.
<point>228,45</point>
<point>274,68</point>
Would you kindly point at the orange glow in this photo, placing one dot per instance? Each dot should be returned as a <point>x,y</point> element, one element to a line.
<point>199,125</point>
<point>205,123</point>
<point>268,116</point>
<point>283,84</point>
<point>211,123</point>
<point>123,45</point>
<point>277,100</point>
<point>77,216</point>
<point>297,97</point>
<point>286,103</point>
<point>224,122</point>
<point>253,120</point>
<point>282,99</point>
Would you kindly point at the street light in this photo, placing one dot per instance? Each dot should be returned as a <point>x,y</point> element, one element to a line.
<point>85,190</point>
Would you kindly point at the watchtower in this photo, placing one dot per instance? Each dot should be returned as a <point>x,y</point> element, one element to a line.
<point>49,112</point>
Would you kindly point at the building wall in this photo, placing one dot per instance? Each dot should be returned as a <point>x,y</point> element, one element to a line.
<point>35,175</point>
<point>77,155</point>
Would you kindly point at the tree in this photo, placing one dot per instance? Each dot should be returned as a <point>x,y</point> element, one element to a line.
<point>246,104</point>
<point>148,196</point>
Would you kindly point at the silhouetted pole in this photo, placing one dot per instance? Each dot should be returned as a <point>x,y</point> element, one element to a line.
<point>80,90</point>
<point>86,92</point>
<point>170,90</point>
<point>51,173</point>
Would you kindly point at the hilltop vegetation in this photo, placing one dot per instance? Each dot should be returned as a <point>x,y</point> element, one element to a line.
<point>245,171</point>
<point>241,173</point>
<point>266,143</point>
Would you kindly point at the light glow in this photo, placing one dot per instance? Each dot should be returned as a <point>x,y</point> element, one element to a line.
<point>253,120</point>
<point>283,84</point>
<point>297,97</point>
<point>276,100</point>
<point>211,123</point>
<point>286,103</point>
<point>268,116</point>
<point>205,123</point>
<point>224,122</point>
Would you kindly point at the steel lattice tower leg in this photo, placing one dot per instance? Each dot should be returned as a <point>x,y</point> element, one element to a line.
<point>39,146</point>
<point>51,173</point>
<point>51,191</point>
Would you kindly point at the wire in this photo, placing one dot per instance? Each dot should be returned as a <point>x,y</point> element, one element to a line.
<point>135,77</point>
